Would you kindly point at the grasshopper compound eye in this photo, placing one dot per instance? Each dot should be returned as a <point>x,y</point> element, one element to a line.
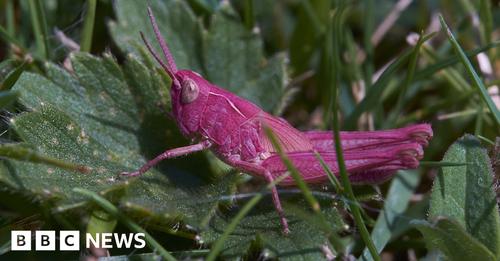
<point>189,91</point>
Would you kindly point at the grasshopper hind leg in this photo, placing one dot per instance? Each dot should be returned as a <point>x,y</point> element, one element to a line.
<point>277,203</point>
<point>261,171</point>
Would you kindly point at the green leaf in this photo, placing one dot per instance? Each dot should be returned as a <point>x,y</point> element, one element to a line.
<point>7,98</point>
<point>21,152</point>
<point>464,193</point>
<point>304,241</point>
<point>398,197</point>
<point>309,29</point>
<point>453,241</point>
<point>226,54</point>
<point>234,60</point>
<point>178,25</point>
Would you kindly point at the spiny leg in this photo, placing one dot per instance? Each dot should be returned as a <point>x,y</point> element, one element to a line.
<point>277,203</point>
<point>258,169</point>
<point>172,153</point>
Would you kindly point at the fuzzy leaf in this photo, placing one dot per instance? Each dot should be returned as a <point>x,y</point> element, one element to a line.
<point>234,60</point>
<point>304,241</point>
<point>178,25</point>
<point>227,54</point>
<point>465,194</point>
<point>453,241</point>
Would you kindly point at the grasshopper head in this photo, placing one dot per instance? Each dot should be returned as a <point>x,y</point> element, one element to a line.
<point>189,94</point>
<point>189,91</point>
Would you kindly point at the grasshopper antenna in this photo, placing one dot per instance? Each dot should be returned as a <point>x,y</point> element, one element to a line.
<point>155,55</point>
<point>171,67</point>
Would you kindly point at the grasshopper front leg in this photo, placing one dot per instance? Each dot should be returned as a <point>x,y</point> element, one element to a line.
<point>168,154</point>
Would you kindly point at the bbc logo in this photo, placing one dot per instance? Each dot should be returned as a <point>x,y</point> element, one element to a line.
<point>45,240</point>
<point>69,240</point>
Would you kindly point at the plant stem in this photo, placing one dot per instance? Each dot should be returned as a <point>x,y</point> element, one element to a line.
<point>39,22</point>
<point>88,26</point>
<point>333,46</point>
<point>297,177</point>
<point>217,247</point>
<point>472,73</point>
<point>248,14</point>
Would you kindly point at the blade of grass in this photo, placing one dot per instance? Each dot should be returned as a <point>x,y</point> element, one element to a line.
<point>374,93</point>
<point>19,152</point>
<point>389,20</point>
<point>201,5</point>
<point>313,18</point>
<point>435,108</point>
<point>304,189</point>
<point>487,21</point>
<point>432,69</point>
<point>450,74</point>
<point>333,64</point>
<point>368,25</point>
<point>354,71</point>
<point>8,38</point>
<point>409,78</point>
<point>112,210</point>
<point>462,113</point>
<point>441,164</point>
<point>293,172</point>
<point>39,22</point>
<point>478,128</point>
<point>12,77</point>
<point>100,222</point>
<point>248,15</point>
<point>485,140</point>
<point>10,19</point>
<point>333,179</point>
<point>217,246</point>
<point>88,26</point>
<point>472,73</point>
<point>397,200</point>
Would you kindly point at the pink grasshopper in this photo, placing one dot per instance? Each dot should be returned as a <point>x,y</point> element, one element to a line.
<point>232,128</point>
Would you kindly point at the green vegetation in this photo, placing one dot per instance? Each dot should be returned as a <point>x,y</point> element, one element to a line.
<point>82,100</point>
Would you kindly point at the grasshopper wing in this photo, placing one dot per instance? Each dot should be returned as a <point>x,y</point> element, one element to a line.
<point>364,140</point>
<point>290,139</point>
<point>371,166</point>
